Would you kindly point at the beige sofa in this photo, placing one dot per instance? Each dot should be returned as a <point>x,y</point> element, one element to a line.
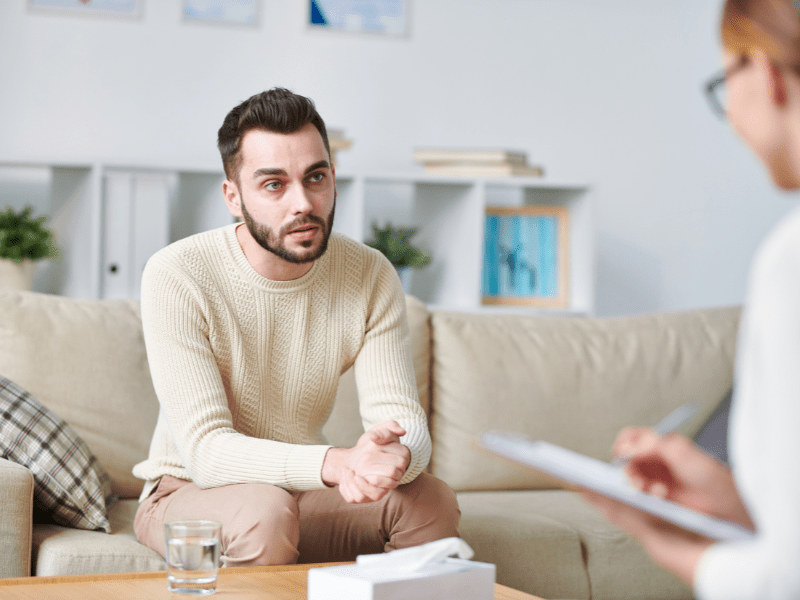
<point>572,381</point>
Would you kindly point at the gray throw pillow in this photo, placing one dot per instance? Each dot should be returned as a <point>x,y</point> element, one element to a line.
<point>70,485</point>
<point>713,435</point>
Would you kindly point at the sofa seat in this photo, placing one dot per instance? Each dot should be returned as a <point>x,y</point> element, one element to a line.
<point>61,550</point>
<point>553,542</point>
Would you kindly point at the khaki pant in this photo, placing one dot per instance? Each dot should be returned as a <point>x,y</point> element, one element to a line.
<point>266,525</point>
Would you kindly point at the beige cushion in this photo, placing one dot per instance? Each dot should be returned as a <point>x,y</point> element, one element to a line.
<point>551,544</point>
<point>533,552</point>
<point>61,551</point>
<point>571,381</point>
<point>85,360</point>
<point>344,425</point>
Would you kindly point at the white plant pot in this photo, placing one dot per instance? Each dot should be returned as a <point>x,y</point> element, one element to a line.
<point>16,276</point>
<point>405,278</point>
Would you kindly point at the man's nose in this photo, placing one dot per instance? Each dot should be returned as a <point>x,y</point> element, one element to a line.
<point>301,201</point>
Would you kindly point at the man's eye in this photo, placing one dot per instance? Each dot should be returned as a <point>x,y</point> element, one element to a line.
<point>316,177</point>
<point>273,185</point>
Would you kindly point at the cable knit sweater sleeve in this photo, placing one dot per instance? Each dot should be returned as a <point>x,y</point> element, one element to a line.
<point>384,369</point>
<point>187,379</point>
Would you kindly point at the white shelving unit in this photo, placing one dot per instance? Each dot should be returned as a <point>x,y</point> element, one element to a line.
<point>449,213</point>
<point>109,219</point>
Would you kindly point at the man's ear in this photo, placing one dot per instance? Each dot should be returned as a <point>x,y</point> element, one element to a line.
<point>233,198</point>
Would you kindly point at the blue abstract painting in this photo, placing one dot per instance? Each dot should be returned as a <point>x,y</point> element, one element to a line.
<point>372,16</point>
<point>521,256</point>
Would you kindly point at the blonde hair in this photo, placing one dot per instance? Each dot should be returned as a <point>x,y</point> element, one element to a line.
<point>770,25</point>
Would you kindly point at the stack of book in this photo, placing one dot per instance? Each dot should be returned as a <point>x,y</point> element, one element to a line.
<point>476,163</point>
<point>337,142</point>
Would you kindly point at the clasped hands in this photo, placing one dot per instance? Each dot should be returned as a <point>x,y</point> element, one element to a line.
<point>375,465</point>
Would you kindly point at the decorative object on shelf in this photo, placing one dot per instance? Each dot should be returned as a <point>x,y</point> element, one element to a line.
<point>395,245</point>
<point>23,241</point>
<point>525,257</point>
<point>337,142</point>
<point>113,8</point>
<point>476,163</point>
<point>241,12</point>
<point>386,17</point>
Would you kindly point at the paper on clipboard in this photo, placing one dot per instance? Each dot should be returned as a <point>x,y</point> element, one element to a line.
<point>608,480</point>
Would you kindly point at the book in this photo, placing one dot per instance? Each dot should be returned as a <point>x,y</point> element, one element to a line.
<point>609,480</point>
<point>466,156</point>
<point>487,170</point>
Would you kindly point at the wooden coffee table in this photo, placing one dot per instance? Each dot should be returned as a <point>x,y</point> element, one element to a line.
<point>256,583</point>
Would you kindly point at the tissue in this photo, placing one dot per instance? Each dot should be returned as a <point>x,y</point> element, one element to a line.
<point>422,572</point>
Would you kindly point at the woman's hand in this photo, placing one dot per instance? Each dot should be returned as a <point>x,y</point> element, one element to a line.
<point>673,467</point>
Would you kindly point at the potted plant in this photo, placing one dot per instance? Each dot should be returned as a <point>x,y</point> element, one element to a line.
<point>23,241</point>
<point>395,245</point>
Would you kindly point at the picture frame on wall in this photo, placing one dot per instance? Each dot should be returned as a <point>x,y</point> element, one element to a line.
<point>240,12</point>
<point>382,17</point>
<point>526,256</point>
<point>106,8</point>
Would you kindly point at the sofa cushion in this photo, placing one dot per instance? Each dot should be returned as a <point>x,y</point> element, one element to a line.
<point>571,381</point>
<point>552,544</point>
<point>532,551</point>
<point>71,486</point>
<point>85,360</point>
<point>61,551</point>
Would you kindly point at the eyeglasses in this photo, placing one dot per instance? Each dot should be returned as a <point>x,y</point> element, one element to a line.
<point>717,90</point>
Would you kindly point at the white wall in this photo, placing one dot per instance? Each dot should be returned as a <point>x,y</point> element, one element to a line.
<point>607,92</point>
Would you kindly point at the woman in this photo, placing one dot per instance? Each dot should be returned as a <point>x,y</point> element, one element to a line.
<point>761,40</point>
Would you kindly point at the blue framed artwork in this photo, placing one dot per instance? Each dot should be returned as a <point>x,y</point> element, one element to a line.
<point>525,256</point>
<point>238,12</point>
<point>388,17</point>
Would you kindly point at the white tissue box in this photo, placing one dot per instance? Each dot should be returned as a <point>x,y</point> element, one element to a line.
<point>452,579</point>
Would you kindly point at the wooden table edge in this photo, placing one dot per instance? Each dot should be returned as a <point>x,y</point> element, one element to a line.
<point>502,592</point>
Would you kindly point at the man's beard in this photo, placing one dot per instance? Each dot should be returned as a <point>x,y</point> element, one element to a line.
<point>273,242</point>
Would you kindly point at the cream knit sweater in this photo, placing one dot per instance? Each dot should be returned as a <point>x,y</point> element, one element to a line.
<point>246,369</point>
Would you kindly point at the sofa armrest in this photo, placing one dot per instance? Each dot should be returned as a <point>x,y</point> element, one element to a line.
<point>16,519</point>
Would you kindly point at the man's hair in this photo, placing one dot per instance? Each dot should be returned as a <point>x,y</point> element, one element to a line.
<point>277,110</point>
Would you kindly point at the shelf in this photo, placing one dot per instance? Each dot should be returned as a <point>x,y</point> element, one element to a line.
<point>109,218</point>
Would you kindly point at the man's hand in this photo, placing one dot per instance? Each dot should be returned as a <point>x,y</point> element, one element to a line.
<point>375,465</point>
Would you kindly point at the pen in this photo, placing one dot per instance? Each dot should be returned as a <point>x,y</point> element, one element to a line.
<point>670,423</point>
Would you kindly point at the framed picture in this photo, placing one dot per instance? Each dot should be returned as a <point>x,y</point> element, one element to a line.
<point>387,17</point>
<point>240,12</point>
<point>114,8</point>
<point>525,256</point>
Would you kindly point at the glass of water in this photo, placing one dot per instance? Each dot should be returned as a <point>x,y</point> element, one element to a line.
<point>192,556</point>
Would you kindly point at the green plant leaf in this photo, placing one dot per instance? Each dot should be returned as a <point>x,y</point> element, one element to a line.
<point>24,237</point>
<point>395,245</point>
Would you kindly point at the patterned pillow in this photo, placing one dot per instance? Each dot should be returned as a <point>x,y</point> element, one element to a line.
<point>70,485</point>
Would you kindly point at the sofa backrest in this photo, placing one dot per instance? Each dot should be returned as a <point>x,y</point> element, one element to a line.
<point>571,381</point>
<point>85,360</point>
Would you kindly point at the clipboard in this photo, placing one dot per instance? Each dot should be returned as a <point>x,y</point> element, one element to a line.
<point>608,480</point>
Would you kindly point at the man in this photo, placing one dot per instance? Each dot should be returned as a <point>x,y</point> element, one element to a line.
<point>248,329</point>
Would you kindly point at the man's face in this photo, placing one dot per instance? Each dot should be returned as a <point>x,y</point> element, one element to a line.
<point>287,193</point>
